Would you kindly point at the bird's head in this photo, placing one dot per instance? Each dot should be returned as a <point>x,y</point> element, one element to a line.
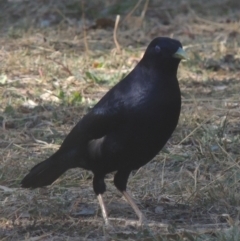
<point>165,53</point>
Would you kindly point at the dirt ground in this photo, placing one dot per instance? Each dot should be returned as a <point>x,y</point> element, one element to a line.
<point>57,58</point>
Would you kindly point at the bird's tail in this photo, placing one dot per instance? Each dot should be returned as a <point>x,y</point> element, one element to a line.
<point>46,172</point>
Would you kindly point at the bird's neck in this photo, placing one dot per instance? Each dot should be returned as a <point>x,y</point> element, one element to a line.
<point>164,77</point>
<point>168,67</point>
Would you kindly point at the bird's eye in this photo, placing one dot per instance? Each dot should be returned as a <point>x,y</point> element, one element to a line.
<point>157,49</point>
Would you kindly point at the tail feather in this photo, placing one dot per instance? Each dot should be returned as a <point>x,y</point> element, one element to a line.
<point>45,173</point>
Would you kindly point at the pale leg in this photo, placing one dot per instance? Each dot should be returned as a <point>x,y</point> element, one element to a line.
<point>134,206</point>
<point>103,209</point>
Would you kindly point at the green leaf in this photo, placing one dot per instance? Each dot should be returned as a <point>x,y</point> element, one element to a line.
<point>76,97</point>
<point>9,109</point>
<point>92,76</point>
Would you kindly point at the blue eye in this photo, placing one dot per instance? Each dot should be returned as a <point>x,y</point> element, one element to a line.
<point>157,49</point>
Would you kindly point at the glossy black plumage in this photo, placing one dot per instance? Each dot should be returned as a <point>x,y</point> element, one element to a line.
<point>127,127</point>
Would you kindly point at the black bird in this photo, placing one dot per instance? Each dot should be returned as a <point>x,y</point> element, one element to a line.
<point>125,129</point>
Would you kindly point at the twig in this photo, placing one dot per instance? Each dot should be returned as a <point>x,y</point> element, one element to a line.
<point>64,67</point>
<point>132,11</point>
<point>163,170</point>
<point>144,10</point>
<point>84,29</point>
<point>191,133</point>
<point>226,27</point>
<point>38,141</point>
<point>219,177</point>
<point>6,189</point>
<point>115,33</point>
<point>39,237</point>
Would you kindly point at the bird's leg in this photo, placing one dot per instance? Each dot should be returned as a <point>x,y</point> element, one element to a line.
<point>120,181</point>
<point>103,209</point>
<point>134,206</point>
<point>99,188</point>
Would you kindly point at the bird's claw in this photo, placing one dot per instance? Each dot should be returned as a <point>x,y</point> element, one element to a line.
<point>142,221</point>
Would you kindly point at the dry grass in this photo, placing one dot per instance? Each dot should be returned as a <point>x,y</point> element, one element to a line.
<point>48,80</point>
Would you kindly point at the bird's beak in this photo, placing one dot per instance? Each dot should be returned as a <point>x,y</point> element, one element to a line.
<point>180,54</point>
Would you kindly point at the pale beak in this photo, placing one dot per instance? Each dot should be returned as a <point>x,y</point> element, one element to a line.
<point>180,54</point>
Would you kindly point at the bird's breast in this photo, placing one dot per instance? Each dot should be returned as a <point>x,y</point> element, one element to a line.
<point>143,133</point>
<point>148,119</point>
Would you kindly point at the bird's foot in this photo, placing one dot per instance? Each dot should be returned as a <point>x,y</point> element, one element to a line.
<point>142,221</point>
<point>108,228</point>
<point>106,222</point>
